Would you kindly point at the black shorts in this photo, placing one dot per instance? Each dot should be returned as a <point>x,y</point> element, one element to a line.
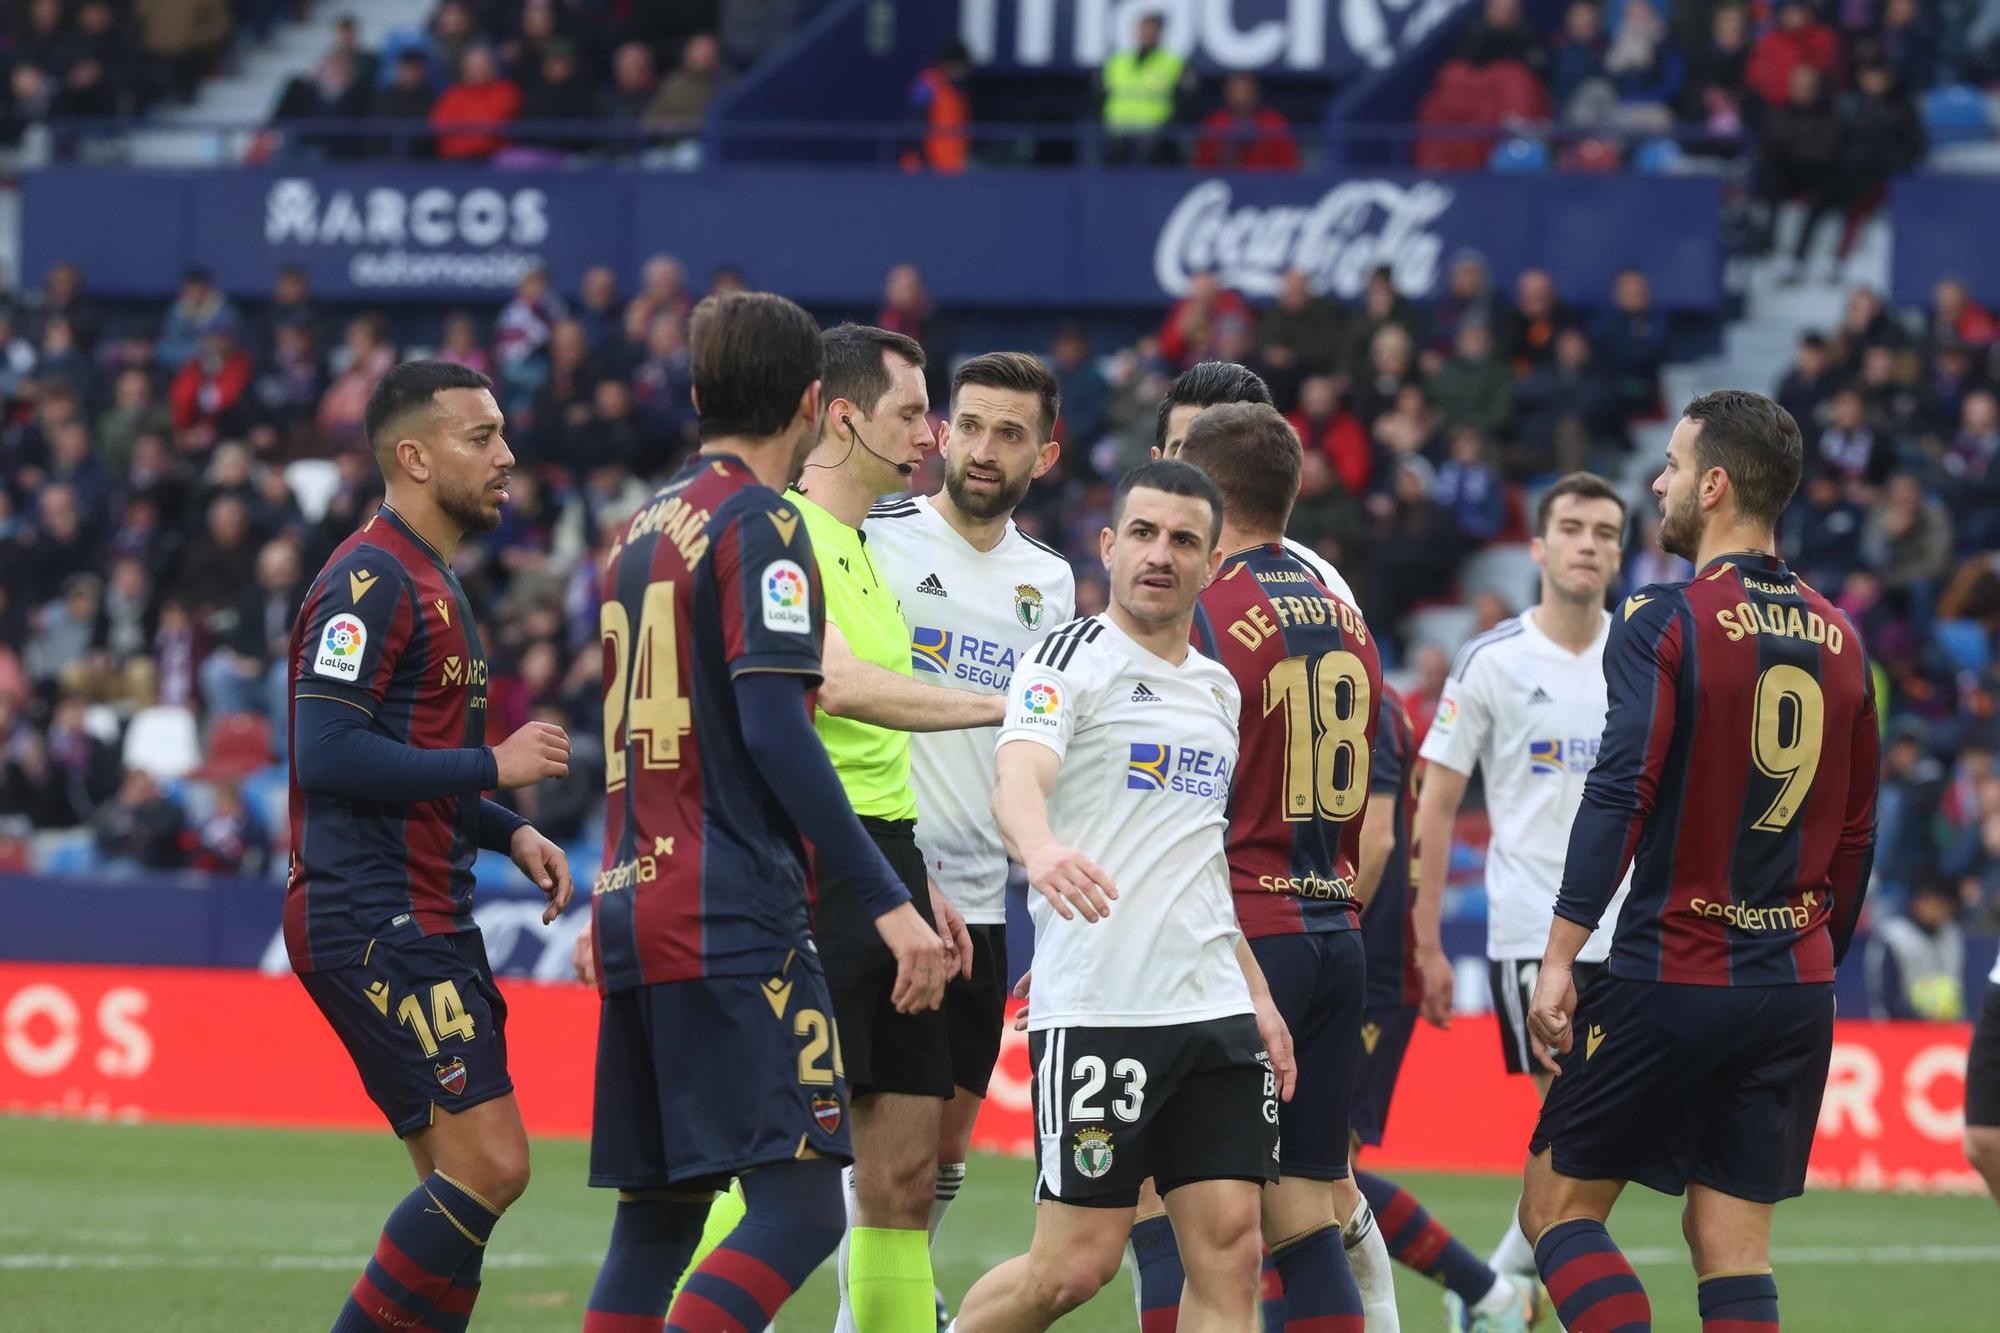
<point>1188,1102</point>
<point>700,1080</point>
<point>1318,982</point>
<point>1512,982</point>
<point>424,1023</point>
<point>1385,1038</point>
<point>886,1051</point>
<point>1668,1083</point>
<point>1982,1064</point>
<point>975,1010</point>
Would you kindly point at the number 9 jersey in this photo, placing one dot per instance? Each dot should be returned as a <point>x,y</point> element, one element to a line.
<point>1310,679</point>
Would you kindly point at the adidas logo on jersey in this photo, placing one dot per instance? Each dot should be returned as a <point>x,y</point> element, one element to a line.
<point>1142,695</point>
<point>933,586</point>
<point>1540,696</point>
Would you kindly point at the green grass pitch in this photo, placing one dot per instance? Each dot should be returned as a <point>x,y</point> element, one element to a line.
<point>178,1229</point>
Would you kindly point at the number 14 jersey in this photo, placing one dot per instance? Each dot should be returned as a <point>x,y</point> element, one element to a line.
<point>1310,677</point>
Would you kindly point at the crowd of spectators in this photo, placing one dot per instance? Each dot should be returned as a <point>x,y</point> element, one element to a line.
<point>169,484</point>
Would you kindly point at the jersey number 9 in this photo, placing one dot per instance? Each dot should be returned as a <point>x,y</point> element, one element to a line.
<point>1327,708</point>
<point>643,703</point>
<point>1790,730</point>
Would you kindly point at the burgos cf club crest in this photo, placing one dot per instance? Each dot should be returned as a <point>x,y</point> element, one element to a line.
<point>1028,606</point>
<point>826,1113</point>
<point>1092,1153</point>
<point>451,1076</point>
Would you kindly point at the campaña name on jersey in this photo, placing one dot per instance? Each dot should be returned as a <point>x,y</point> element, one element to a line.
<point>1156,766</point>
<point>966,657</point>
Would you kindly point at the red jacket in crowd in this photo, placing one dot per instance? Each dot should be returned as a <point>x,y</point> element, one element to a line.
<point>1262,142</point>
<point>205,389</point>
<point>1778,53</point>
<point>486,104</point>
<point>1344,441</point>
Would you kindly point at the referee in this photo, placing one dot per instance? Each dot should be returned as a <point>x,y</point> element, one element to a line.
<point>874,435</point>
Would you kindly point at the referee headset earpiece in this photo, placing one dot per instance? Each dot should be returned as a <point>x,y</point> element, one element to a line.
<point>905,468</point>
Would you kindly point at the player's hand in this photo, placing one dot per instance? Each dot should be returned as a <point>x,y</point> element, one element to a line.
<point>546,866</point>
<point>1278,1042</point>
<point>1021,993</point>
<point>1071,882</point>
<point>920,968</point>
<point>1549,1014</point>
<point>1440,979</point>
<point>951,929</point>
<point>584,959</point>
<point>538,750</point>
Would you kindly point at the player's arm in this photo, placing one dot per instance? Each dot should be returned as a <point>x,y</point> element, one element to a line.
<point>1378,817</point>
<point>1854,857</point>
<point>1024,774</point>
<point>1270,1023</point>
<point>1438,800</point>
<point>545,864</point>
<point>868,693</point>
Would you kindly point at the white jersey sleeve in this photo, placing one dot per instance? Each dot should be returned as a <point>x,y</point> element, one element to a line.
<point>1462,726</point>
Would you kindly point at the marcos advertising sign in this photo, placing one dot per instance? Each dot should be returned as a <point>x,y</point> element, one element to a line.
<point>187,1044</point>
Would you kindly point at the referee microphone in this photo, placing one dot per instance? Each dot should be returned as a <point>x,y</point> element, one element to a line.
<point>905,468</point>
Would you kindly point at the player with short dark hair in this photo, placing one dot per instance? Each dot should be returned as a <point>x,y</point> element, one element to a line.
<point>388,760</point>
<point>1739,767</point>
<point>717,1053</point>
<point>1203,385</point>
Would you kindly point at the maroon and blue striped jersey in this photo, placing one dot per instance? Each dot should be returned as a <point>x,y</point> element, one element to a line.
<point>1739,766</point>
<point>704,873</point>
<point>1386,926</point>
<point>386,629</point>
<point>1309,675</point>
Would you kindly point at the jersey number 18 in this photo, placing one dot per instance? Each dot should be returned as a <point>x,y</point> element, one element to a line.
<point>1327,708</point>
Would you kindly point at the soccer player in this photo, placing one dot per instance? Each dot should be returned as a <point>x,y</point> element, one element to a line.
<point>1156,1046</point>
<point>1307,663</point>
<point>1386,881</point>
<point>1739,764</point>
<point>979,594</point>
<point>388,760</point>
<point>1982,1089</point>
<point>1524,705</point>
<point>899,1064</point>
<point>717,1053</point>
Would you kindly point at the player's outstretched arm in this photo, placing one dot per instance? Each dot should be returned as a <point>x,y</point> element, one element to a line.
<point>1024,775</point>
<point>1437,806</point>
<point>337,753</point>
<point>868,693</point>
<point>1378,839</point>
<point>778,732</point>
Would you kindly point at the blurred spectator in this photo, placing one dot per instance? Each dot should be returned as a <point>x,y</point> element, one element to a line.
<point>633,83</point>
<point>55,549</point>
<point>523,331</point>
<point>1808,385</point>
<point>598,306</point>
<point>139,828</point>
<point>1645,68</point>
<point>1973,858</point>
<point>1567,412</point>
<point>1193,323</point>
<point>1906,809</point>
<point>1085,394</point>
<point>1416,544</point>
<point>558,94</point>
<point>207,394</point>
<point>1578,53</point>
<point>1140,87</point>
<point>663,383</point>
<point>1468,298</point>
<point>291,306</point>
<point>63,298</point>
<point>1909,42</point>
<point>221,553</point>
<point>176,653</point>
<point>125,621</point>
<point>17,358</point>
<point>289,382</point>
<point>562,404</point>
<point>470,114</point>
<point>336,90</point>
<point>1391,369</point>
<point>368,355</point>
<point>1850,448</point>
<point>682,100</point>
<point>230,839</point>
<point>1629,341</point>
<point>1822,532</point>
<point>1469,489</point>
<point>941,107</point>
<point>1528,328</point>
<point>1907,541</point>
<point>63,630</point>
<point>186,36</point>
<point>461,344</point>
<point>61,359</point>
<point>452,34</point>
<point>1301,336</point>
<point>1972,464</point>
<point>1799,150</point>
<point>1954,318</point>
<point>1472,388</point>
<point>663,287</point>
<point>1243,134</point>
<point>1381,304</point>
<point>907,309</point>
<point>199,310</point>
<point>1500,33</point>
<point>74,464</point>
<point>245,671</point>
<point>1718,69</point>
<point>1408,427</point>
<point>1797,41</point>
<point>1881,138</point>
<point>1328,429</point>
<point>1916,959</point>
<point>405,102</point>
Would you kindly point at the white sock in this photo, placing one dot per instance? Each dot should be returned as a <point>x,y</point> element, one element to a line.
<point>950,1178</point>
<point>1502,1295</point>
<point>844,1323</point>
<point>1513,1254</point>
<point>1368,1259</point>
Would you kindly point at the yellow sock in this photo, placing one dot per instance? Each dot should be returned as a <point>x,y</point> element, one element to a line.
<point>723,1215</point>
<point>889,1281</point>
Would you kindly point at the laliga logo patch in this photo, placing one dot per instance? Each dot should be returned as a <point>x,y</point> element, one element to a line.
<point>785,599</point>
<point>451,1076</point>
<point>1447,712</point>
<point>1041,700</point>
<point>1092,1153</point>
<point>826,1113</point>
<point>340,649</point>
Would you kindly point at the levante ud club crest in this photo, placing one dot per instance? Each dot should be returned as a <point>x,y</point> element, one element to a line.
<point>826,1113</point>
<point>451,1076</point>
<point>1028,606</point>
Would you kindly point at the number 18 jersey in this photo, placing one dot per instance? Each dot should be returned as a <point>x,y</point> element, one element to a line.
<point>1310,677</point>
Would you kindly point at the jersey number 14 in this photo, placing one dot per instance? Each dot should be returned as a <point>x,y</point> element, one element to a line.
<point>643,703</point>
<point>1327,708</point>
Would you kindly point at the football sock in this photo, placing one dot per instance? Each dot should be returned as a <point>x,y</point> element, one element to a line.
<point>791,1223</point>
<point>889,1280</point>
<point>1319,1294</point>
<point>1420,1241</point>
<point>1594,1289</point>
<point>1161,1277</point>
<point>453,1312</point>
<point>950,1178</point>
<point>1272,1295</point>
<point>1739,1303</point>
<point>1513,1254</point>
<point>652,1241</point>
<point>426,1241</point>
<point>843,1320</point>
<point>723,1215</point>
<point>1368,1260</point>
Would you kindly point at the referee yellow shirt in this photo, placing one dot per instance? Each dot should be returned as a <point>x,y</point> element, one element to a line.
<point>873,762</point>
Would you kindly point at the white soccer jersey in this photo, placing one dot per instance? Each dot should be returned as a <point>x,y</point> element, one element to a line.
<point>1148,749</point>
<point>1530,713</point>
<point>973,615</point>
<point>1321,566</point>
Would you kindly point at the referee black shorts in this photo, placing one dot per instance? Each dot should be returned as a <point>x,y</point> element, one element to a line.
<point>975,1009</point>
<point>884,1051</point>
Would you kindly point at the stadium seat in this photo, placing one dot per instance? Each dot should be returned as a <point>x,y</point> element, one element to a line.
<point>1659,157</point>
<point>1956,114</point>
<point>64,852</point>
<point>238,745</point>
<point>1520,155</point>
<point>163,741</point>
